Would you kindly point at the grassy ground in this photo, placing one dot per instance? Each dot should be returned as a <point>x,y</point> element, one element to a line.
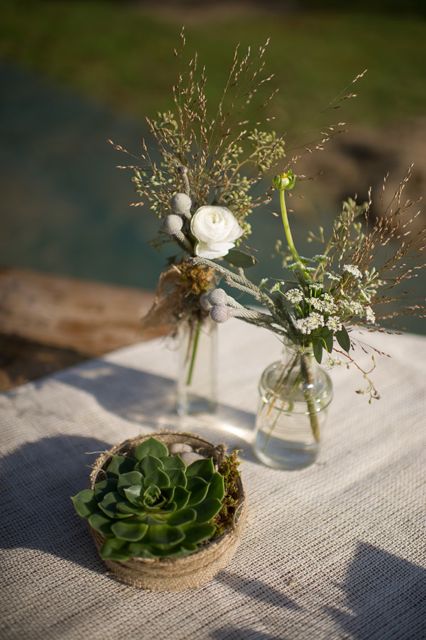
<point>122,57</point>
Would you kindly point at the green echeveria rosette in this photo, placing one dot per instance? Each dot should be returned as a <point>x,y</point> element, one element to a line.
<point>152,505</point>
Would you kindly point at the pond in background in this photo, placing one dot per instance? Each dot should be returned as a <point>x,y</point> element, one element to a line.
<point>64,205</point>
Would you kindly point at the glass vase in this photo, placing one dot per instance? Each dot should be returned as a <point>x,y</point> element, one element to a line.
<point>295,393</point>
<point>197,367</point>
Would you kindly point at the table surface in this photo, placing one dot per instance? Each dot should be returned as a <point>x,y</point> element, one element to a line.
<point>332,551</point>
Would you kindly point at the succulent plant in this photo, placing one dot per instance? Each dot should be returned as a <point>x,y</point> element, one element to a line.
<point>152,505</point>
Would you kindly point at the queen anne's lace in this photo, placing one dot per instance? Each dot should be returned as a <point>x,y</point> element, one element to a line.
<point>309,324</point>
<point>294,296</point>
<point>353,270</point>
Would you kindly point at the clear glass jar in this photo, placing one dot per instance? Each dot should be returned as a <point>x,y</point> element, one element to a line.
<point>197,367</point>
<point>295,393</point>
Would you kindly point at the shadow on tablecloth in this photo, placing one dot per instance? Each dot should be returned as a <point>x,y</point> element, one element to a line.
<point>148,400</point>
<point>384,596</point>
<point>37,481</point>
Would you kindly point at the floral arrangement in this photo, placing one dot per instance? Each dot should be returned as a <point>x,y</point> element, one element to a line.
<point>357,273</point>
<point>211,163</point>
<point>202,186</point>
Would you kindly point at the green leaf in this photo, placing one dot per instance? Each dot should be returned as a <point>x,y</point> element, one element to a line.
<point>84,503</point>
<point>181,497</point>
<point>173,552</point>
<point>133,494</point>
<point>195,533</point>
<point>151,494</point>
<point>177,478</point>
<point>153,502</point>
<point>109,505</point>
<point>150,464</point>
<point>128,507</point>
<point>207,510</point>
<point>202,468</point>
<point>152,469</point>
<point>238,258</point>
<point>114,549</point>
<point>105,486</point>
<point>198,488</point>
<point>173,462</point>
<point>184,516</point>
<point>139,550</point>
<point>160,478</point>
<point>163,535</point>
<point>343,339</point>
<point>119,464</point>
<point>151,447</point>
<point>166,509</point>
<point>129,479</point>
<point>217,487</point>
<point>317,347</point>
<point>132,531</point>
<point>328,339</point>
<point>100,523</point>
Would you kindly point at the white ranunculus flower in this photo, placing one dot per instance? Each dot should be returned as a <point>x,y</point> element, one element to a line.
<point>216,230</point>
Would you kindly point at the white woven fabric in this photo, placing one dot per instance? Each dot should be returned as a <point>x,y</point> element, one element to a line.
<point>332,551</point>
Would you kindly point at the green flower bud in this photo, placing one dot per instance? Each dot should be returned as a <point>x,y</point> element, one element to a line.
<point>284,181</point>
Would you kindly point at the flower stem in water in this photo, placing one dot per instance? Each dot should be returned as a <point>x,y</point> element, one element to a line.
<point>196,339</point>
<point>306,368</point>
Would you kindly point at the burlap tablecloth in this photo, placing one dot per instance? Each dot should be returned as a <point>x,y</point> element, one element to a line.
<point>332,551</point>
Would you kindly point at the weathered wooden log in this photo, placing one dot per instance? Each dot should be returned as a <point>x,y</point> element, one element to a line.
<point>48,322</point>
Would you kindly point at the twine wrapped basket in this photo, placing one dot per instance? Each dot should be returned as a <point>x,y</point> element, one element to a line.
<point>175,574</point>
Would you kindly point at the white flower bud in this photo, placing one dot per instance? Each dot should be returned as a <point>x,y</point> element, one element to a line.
<point>181,204</point>
<point>173,224</point>
<point>220,313</point>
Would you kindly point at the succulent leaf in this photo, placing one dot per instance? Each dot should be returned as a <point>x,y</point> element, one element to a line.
<point>177,477</point>
<point>184,516</point>
<point>101,523</point>
<point>195,533</point>
<point>114,549</point>
<point>119,464</point>
<point>201,468</point>
<point>198,489</point>
<point>84,502</point>
<point>131,478</point>
<point>207,510</point>
<point>133,494</point>
<point>173,463</point>
<point>110,503</point>
<point>181,497</point>
<point>164,535</point>
<point>103,487</point>
<point>132,531</point>
<point>216,487</point>
<point>151,447</point>
<point>153,505</point>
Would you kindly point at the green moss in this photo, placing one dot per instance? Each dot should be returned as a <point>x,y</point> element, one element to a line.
<point>229,469</point>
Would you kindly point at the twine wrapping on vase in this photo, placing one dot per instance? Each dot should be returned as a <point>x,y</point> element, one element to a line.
<point>177,297</point>
<point>175,574</point>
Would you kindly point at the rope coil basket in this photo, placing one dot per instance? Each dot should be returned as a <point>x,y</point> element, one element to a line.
<point>175,574</point>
